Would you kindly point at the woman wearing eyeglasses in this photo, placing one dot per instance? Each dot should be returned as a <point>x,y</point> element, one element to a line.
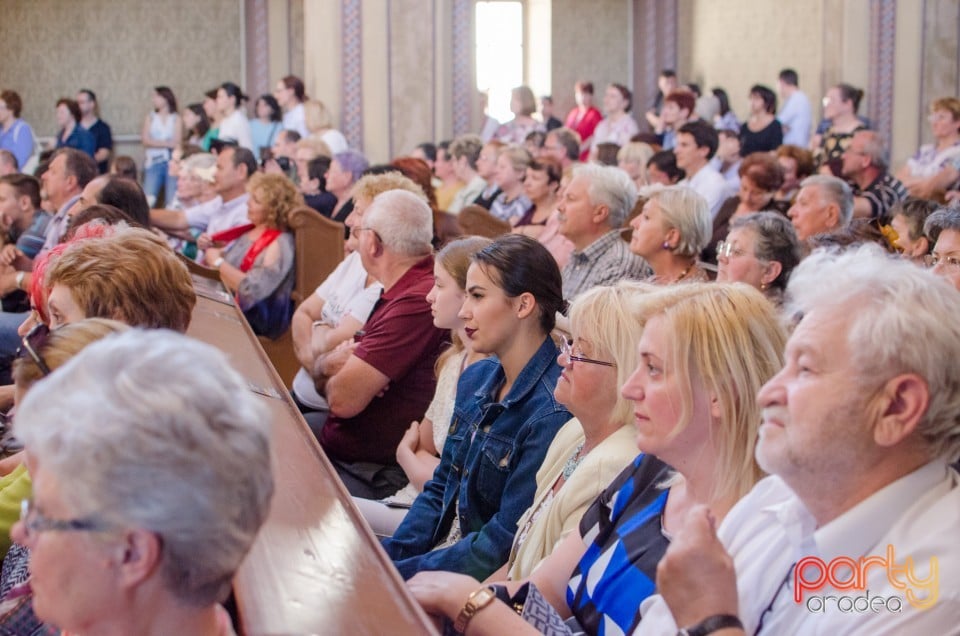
<point>591,449</point>
<point>504,417</point>
<point>128,527</point>
<point>41,352</point>
<point>943,230</point>
<point>760,250</point>
<point>696,422</point>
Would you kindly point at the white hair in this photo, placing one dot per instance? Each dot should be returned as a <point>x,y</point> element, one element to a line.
<point>202,165</point>
<point>687,211</point>
<point>833,190</point>
<point>155,430</point>
<point>403,220</point>
<point>609,186</point>
<point>903,320</point>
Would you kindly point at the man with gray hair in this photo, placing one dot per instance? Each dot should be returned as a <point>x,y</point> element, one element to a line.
<point>381,381</point>
<point>875,190</point>
<point>824,204</point>
<point>563,145</point>
<point>854,532</point>
<point>593,212</point>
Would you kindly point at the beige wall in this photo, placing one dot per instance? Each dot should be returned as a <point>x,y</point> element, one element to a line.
<point>43,60</point>
<point>589,40</point>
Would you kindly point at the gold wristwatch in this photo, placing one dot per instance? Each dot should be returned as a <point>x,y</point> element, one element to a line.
<point>475,602</point>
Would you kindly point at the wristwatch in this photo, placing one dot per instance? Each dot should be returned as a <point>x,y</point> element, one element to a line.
<point>475,602</point>
<point>711,624</point>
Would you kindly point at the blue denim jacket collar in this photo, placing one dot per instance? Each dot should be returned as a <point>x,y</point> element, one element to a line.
<point>525,382</point>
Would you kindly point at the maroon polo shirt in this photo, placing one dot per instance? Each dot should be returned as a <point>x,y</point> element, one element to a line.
<point>401,342</point>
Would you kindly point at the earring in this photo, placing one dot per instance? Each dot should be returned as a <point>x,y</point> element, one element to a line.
<point>666,245</point>
<point>763,286</point>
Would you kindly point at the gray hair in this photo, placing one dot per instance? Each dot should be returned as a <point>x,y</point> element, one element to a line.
<point>609,186</point>
<point>403,220</point>
<point>776,240</point>
<point>874,148</point>
<point>942,219</point>
<point>833,190</point>
<point>468,146</point>
<point>202,165</point>
<point>688,212</point>
<point>186,458</point>
<point>897,327</point>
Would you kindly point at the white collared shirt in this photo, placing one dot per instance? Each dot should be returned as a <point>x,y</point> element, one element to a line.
<point>770,529</point>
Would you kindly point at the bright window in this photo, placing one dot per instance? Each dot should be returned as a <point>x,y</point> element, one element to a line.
<point>499,54</point>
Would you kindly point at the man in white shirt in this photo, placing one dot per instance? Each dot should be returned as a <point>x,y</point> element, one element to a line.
<point>290,95</point>
<point>855,530</point>
<point>796,114</point>
<point>696,144</point>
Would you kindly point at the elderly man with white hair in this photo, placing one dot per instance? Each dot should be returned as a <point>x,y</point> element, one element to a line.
<point>593,210</point>
<point>381,381</point>
<point>824,204</point>
<point>146,495</point>
<point>855,530</point>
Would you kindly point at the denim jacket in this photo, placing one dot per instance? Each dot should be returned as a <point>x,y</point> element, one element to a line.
<point>488,465</point>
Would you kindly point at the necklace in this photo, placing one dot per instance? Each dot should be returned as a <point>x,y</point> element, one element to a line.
<point>684,273</point>
<point>572,462</point>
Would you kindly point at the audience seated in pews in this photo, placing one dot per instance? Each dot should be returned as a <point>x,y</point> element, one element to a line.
<point>382,379</point>
<point>540,186</point>
<point>762,131</point>
<point>257,265</point>
<point>419,451</point>
<point>856,436</point>
<point>340,306</point>
<point>504,419</point>
<point>632,158</point>
<point>345,169</point>
<point>696,438</point>
<point>590,450</point>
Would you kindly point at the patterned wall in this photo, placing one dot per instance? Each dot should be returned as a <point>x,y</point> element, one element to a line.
<point>412,80</point>
<point>120,64</point>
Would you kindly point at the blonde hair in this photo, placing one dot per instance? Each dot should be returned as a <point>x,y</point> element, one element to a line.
<point>611,319</point>
<point>639,153</point>
<point>277,194</point>
<point>727,337</point>
<point>317,146</point>
<point>519,157</point>
<point>370,186</point>
<point>61,345</point>
<point>316,116</point>
<point>688,212</point>
<point>528,103</point>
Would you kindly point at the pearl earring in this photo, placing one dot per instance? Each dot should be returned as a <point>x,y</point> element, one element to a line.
<point>666,245</point>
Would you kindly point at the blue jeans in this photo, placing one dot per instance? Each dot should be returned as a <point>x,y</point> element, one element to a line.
<point>156,177</point>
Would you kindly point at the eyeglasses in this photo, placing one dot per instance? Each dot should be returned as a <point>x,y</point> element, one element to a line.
<point>31,344</point>
<point>369,229</point>
<point>932,260</point>
<point>35,522</point>
<point>566,348</point>
<point>728,249</point>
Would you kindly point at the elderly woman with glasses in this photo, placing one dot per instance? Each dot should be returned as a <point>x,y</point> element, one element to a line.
<point>100,434</point>
<point>943,231</point>
<point>761,250</point>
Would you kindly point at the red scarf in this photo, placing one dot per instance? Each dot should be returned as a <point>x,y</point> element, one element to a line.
<point>268,237</point>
